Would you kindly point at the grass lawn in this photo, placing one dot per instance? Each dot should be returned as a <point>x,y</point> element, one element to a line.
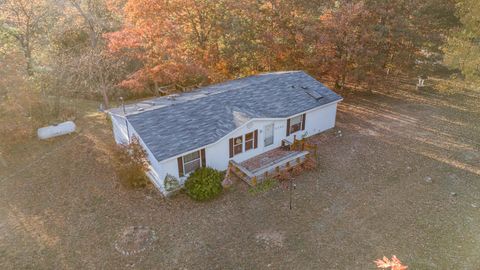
<point>402,177</point>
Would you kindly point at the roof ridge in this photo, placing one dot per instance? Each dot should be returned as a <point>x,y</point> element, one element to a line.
<point>176,98</point>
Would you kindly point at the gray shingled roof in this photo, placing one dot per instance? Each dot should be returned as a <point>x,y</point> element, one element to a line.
<point>171,126</point>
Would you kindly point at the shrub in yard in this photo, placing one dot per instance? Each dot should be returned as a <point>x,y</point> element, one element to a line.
<point>204,184</point>
<point>131,164</point>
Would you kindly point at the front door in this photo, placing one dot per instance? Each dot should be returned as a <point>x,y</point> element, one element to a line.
<point>268,135</point>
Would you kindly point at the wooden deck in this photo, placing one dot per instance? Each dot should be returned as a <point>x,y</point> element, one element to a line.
<point>266,165</point>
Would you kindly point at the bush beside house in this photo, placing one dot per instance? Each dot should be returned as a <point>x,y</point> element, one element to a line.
<point>204,184</point>
<point>131,164</point>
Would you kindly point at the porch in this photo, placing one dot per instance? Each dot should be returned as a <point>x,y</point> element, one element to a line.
<point>268,164</point>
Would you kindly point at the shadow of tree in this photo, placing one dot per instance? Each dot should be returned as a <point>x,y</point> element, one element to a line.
<point>433,132</point>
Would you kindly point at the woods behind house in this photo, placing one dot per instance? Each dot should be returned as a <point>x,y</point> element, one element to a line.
<point>104,49</point>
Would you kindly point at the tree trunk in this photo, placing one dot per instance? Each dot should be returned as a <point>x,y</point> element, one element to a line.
<point>343,75</point>
<point>155,85</point>
<point>28,57</point>
<point>105,97</point>
<point>344,78</point>
<point>103,89</point>
<point>88,18</point>
<point>93,38</point>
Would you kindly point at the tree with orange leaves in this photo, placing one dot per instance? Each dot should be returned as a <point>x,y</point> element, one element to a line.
<point>188,42</point>
<point>392,264</point>
<point>172,40</point>
<point>192,42</point>
<point>346,40</point>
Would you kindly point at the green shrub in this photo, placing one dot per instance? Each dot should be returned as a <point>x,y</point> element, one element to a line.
<point>131,164</point>
<point>204,184</point>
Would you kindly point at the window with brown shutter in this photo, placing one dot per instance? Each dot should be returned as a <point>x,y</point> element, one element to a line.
<point>231,147</point>
<point>288,127</point>
<point>294,124</point>
<point>255,139</point>
<point>191,162</point>
<point>204,160</point>
<point>303,120</point>
<point>249,141</point>
<point>180,166</point>
<point>237,145</point>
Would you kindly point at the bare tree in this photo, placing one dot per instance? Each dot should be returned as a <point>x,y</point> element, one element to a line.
<point>87,16</point>
<point>26,21</point>
<point>96,17</point>
<point>89,74</point>
<point>77,64</point>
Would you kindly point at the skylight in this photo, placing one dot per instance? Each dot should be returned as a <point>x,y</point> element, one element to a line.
<point>312,93</point>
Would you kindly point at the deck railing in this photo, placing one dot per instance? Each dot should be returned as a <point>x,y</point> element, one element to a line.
<point>303,145</point>
<point>272,169</point>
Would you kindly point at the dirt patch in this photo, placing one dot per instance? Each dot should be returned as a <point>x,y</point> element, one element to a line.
<point>271,238</point>
<point>135,239</point>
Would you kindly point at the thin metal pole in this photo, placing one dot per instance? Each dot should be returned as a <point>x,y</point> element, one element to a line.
<point>126,121</point>
<point>291,187</point>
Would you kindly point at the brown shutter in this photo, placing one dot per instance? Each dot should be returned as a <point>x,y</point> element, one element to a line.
<point>303,120</point>
<point>231,147</point>
<point>255,138</point>
<point>288,127</point>
<point>180,166</point>
<point>202,155</point>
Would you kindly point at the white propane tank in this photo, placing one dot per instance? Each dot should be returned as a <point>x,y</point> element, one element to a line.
<point>56,130</point>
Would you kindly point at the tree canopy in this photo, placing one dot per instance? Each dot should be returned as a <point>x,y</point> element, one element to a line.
<point>192,42</point>
<point>462,50</point>
<point>107,48</point>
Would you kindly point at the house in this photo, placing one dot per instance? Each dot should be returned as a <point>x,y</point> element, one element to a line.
<point>231,121</point>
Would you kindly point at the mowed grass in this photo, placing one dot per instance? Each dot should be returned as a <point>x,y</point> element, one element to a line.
<point>403,179</point>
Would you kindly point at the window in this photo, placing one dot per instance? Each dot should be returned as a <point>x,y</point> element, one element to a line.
<point>243,143</point>
<point>238,145</point>
<point>268,135</point>
<point>191,162</point>
<point>249,141</point>
<point>295,124</point>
